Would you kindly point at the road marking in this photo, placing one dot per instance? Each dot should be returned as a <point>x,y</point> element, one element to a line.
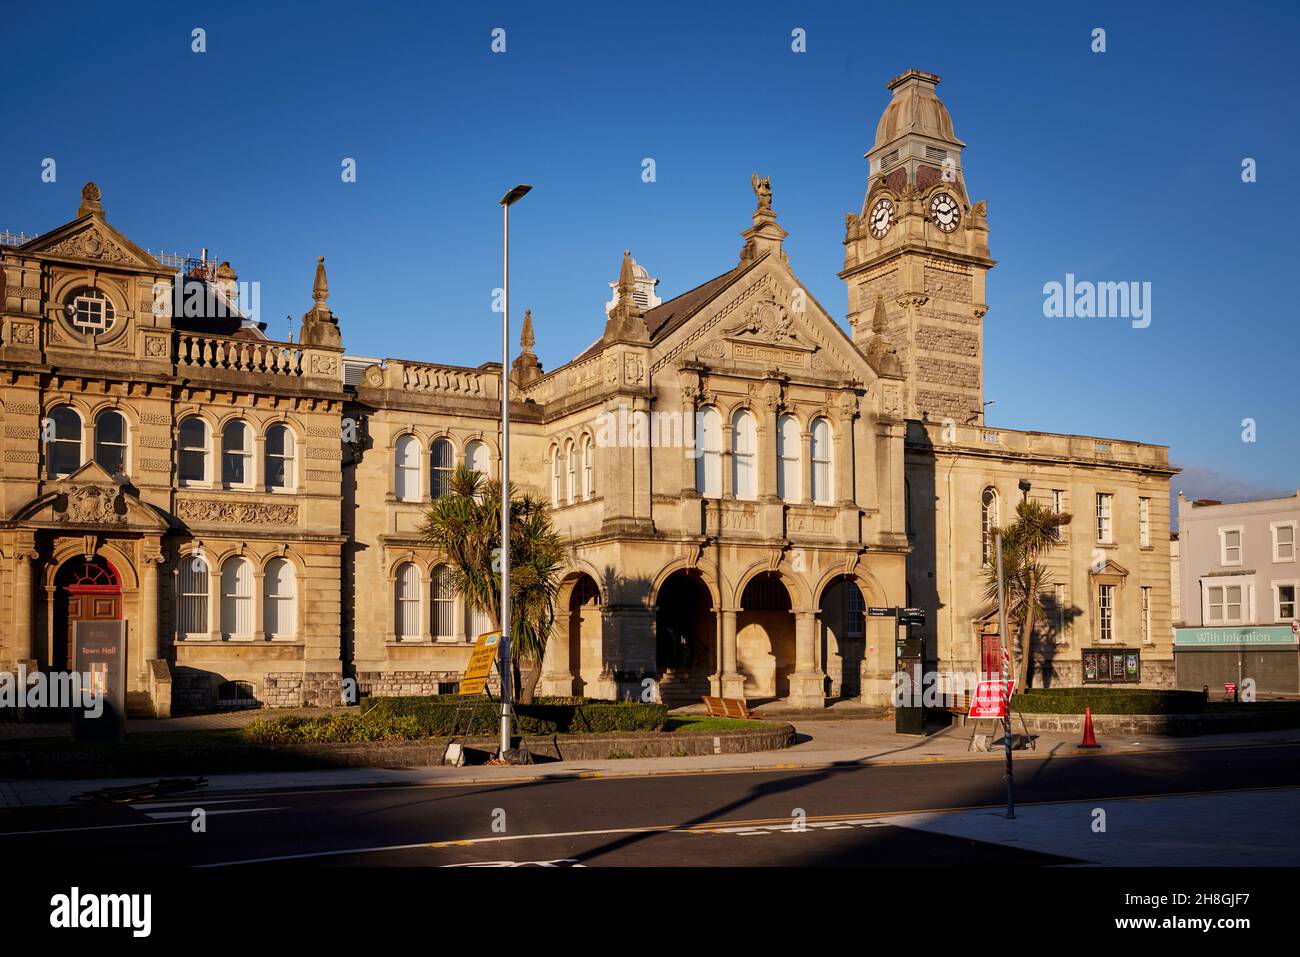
<point>193,802</point>
<point>169,815</point>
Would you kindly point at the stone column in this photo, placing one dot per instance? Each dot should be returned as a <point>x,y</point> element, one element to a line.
<point>22,647</point>
<point>807,684</point>
<point>731,681</point>
<point>149,618</point>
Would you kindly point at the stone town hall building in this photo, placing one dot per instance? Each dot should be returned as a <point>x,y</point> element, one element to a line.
<point>251,507</point>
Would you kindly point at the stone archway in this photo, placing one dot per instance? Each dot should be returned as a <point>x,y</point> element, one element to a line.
<point>765,637</point>
<point>686,638</point>
<point>86,589</point>
<point>585,634</point>
<point>842,636</point>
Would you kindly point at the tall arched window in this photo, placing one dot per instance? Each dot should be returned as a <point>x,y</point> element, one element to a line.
<point>990,521</point>
<point>406,618</point>
<point>555,476</point>
<point>63,453</point>
<point>442,463</point>
<point>407,485</point>
<point>789,475</point>
<point>279,599</point>
<point>194,597</point>
<point>236,454</point>
<point>442,605</point>
<point>588,472</point>
<point>277,469</point>
<point>744,442</point>
<point>237,598</point>
<point>476,622</point>
<point>192,456</point>
<point>821,462</point>
<point>110,442</point>
<point>476,457</point>
<point>571,472</point>
<point>708,448</point>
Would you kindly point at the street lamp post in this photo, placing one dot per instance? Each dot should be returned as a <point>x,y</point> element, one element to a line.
<point>508,200</point>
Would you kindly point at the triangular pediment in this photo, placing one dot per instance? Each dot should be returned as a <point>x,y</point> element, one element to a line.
<point>91,240</point>
<point>757,319</point>
<point>1112,567</point>
<point>88,497</point>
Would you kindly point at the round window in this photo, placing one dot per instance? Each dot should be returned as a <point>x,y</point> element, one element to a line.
<point>89,311</point>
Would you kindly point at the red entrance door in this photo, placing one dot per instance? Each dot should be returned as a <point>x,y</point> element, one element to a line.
<point>991,656</point>
<point>88,590</point>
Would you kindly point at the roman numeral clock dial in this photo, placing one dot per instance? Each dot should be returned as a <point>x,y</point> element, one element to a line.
<point>945,212</point>
<point>881,218</point>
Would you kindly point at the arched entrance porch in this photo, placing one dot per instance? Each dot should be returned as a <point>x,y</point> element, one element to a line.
<point>686,637</point>
<point>86,589</point>
<point>765,637</point>
<point>842,636</point>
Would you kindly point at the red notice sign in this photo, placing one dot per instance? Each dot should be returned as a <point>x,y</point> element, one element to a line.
<point>987,702</point>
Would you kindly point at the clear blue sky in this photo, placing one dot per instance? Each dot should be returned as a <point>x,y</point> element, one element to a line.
<point>1116,166</point>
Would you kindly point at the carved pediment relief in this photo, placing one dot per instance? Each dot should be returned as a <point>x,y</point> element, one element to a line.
<point>90,240</point>
<point>90,496</point>
<point>768,322</point>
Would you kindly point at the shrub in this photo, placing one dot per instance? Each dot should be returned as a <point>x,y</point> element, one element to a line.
<point>441,715</point>
<point>1108,700</point>
<point>330,729</point>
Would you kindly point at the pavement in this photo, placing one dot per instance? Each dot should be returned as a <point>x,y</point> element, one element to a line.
<point>820,742</point>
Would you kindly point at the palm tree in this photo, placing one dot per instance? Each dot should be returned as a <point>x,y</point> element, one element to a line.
<point>1025,545</point>
<point>465,526</point>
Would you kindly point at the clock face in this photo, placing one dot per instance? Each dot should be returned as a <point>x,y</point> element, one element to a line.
<point>945,212</point>
<point>882,217</point>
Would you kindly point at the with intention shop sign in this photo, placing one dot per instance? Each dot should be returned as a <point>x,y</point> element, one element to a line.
<point>1212,637</point>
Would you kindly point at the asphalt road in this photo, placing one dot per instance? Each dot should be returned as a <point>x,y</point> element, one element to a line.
<point>823,816</point>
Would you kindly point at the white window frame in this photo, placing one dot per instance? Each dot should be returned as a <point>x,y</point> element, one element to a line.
<point>124,445</point>
<point>708,462</point>
<point>1058,501</point>
<point>205,450</point>
<point>588,469</point>
<point>1144,522</point>
<point>990,522</point>
<point>789,471</point>
<point>1106,611</point>
<point>744,455</point>
<point>406,468</point>
<point>478,458</point>
<point>287,459</point>
<point>230,630</point>
<point>190,596</point>
<point>1245,601</point>
<point>570,472</point>
<point>1223,544</point>
<point>401,603</point>
<point>555,476</point>
<point>245,453</point>
<point>1144,594</point>
<point>823,456</point>
<point>443,601</point>
<point>1294,585</point>
<point>79,441</point>
<point>285,605</point>
<point>441,474</point>
<point>1273,529</point>
<point>1105,518</point>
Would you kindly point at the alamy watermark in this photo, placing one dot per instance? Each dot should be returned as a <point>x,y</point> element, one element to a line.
<point>1084,299</point>
<point>57,689</point>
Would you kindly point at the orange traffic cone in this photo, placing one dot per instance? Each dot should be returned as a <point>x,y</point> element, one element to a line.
<point>1089,739</point>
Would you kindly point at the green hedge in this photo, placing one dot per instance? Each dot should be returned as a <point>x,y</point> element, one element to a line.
<point>1108,701</point>
<point>441,714</point>
<point>331,729</point>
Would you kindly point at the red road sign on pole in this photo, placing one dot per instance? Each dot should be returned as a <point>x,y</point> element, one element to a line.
<point>988,701</point>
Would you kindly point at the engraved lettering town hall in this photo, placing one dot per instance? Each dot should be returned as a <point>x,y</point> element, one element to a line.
<point>251,507</point>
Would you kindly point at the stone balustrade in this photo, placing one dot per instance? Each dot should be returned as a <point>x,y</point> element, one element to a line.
<point>237,355</point>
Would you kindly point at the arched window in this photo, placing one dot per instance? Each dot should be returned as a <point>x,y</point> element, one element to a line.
<point>821,462</point>
<point>571,472</point>
<point>441,465</point>
<point>237,598</point>
<point>110,442</point>
<point>588,472</point>
<point>476,457</point>
<point>279,599</point>
<point>789,475</point>
<point>443,605</point>
<point>406,622</point>
<point>236,454</point>
<point>193,451</point>
<point>408,468</point>
<point>990,521</point>
<point>63,453</point>
<point>744,441</point>
<point>708,462</point>
<point>194,597</point>
<point>278,460</point>
<point>476,622</point>
<point>555,476</point>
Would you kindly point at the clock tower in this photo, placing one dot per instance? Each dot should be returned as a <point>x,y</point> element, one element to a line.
<point>918,251</point>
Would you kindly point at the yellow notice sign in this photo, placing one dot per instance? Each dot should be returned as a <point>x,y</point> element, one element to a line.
<point>480,663</point>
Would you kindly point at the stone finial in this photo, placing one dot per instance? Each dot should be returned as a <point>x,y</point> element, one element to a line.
<point>626,319</point>
<point>320,327</point>
<point>882,356</point>
<point>90,203</point>
<point>763,190</point>
<point>879,322</point>
<point>765,235</point>
<point>527,339</point>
